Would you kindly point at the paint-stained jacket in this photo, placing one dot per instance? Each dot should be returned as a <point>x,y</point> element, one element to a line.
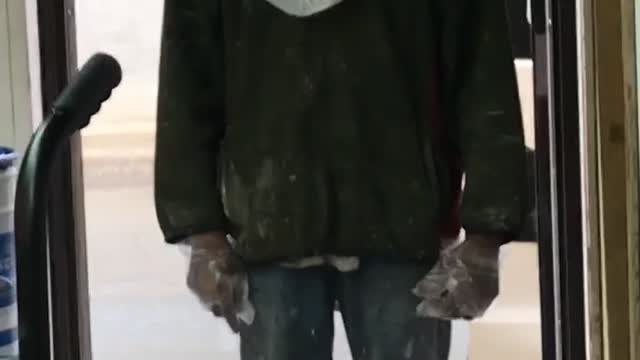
<point>342,133</point>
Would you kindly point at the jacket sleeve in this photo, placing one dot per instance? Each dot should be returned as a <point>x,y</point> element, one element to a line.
<point>190,120</point>
<point>483,111</point>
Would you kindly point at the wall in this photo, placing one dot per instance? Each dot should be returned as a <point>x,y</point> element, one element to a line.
<point>19,72</point>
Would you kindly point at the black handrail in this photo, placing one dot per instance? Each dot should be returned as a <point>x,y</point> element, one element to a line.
<point>71,112</point>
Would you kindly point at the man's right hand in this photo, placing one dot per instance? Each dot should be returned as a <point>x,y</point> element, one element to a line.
<point>216,276</point>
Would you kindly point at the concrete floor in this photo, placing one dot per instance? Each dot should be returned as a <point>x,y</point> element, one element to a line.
<point>511,328</point>
<point>142,309</point>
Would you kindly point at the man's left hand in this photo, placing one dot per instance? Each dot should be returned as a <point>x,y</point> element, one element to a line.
<point>465,281</point>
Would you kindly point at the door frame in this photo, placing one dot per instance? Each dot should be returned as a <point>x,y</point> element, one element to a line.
<point>559,183</point>
<point>70,315</point>
<point>559,225</point>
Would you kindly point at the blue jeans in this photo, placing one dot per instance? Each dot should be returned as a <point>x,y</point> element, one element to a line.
<point>294,314</point>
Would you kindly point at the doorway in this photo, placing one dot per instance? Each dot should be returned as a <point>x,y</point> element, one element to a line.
<point>153,289</point>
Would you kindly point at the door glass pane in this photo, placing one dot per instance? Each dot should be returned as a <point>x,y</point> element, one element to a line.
<point>140,304</point>
<point>140,307</point>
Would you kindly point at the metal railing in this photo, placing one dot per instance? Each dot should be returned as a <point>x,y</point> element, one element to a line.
<point>71,112</point>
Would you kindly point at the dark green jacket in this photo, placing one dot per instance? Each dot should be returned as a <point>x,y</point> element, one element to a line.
<point>334,133</point>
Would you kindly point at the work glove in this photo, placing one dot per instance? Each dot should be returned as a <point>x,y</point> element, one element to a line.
<point>216,276</point>
<point>464,282</point>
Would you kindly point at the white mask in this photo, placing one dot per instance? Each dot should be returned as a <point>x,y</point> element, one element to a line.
<point>302,8</point>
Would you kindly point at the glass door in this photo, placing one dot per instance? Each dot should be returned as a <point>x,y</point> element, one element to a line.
<point>132,287</point>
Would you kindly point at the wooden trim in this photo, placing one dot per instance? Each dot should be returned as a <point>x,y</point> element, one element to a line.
<point>589,173</point>
<point>617,164</point>
<point>632,177</point>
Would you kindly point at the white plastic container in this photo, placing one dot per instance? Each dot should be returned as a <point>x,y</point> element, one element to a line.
<point>8,305</point>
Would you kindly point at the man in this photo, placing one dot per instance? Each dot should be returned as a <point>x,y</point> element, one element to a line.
<point>311,152</point>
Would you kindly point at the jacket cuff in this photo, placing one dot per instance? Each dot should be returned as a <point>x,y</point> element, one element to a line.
<point>503,226</point>
<point>178,236</point>
<point>180,220</point>
<point>501,238</point>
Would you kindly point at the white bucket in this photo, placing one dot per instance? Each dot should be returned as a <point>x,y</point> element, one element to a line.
<point>8,306</point>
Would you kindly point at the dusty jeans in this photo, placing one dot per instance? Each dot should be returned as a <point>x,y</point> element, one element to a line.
<point>294,313</point>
